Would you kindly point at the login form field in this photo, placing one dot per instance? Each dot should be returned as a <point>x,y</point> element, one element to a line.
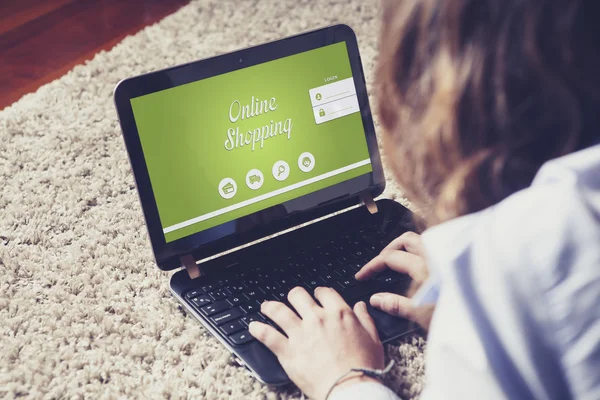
<point>334,100</point>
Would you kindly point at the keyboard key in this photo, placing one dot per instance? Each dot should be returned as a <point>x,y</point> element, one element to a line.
<point>241,337</point>
<point>235,288</point>
<point>313,270</point>
<point>268,276</point>
<point>310,259</point>
<point>252,317</point>
<point>349,282</point>
<point>343,260</point>
<point>254,282</point>
<point>269,287</point>
<point>232,327</point>
<point>236,300</point>
<point>295,264</point>
<point>281,295</point>
<point>344,271</point>
<point>215,307</point>
<point>218,294</point>
<point>327,253</point>
<point>353,243</point>
<point>255,293</point>
<point>329,277</point>
<point>303,275</point>
<point>374,249</point>
<point>202,300</point>
<point>318,281</point>
<point>250,308</point>
<point>342,248</point>
<point>359,254</point>
<point>355,265</point>
<point>388,279</point>
<point>287,283</point>
<point>194,293</point>
<point>227,316</point>
<point>208,288</point>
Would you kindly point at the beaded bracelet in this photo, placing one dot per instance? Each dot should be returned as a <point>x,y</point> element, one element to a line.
<point>373,373</point>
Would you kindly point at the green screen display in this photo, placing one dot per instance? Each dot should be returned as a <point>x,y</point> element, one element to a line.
<point>228,146</point>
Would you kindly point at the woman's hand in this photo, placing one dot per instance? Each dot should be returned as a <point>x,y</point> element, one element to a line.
<point>406,255</point>
<point>323,342</point>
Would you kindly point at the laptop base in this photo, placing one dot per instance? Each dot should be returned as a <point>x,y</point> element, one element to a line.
<point>326,253</point>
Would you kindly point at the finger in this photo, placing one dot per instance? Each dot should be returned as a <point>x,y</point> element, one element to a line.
<point>396,260</point>
<point>281,315</point>
<point>302,302</point>
<point>365,319</point>
<point>408,241</point>
<point>268,336</point>
<point>394,304</point>
<point>330,299</point>
<point>407,263</point>
<point>371,268</point>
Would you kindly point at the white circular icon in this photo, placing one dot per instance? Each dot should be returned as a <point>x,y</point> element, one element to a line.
<point>281,170</point>
<point>227,188</point>
<point>254,179</point>
<point>306,162</point>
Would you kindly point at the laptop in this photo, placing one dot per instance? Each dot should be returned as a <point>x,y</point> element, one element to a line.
<point>257,172</point>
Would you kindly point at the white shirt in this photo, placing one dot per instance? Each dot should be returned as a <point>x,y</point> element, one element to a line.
<point>517,288</point>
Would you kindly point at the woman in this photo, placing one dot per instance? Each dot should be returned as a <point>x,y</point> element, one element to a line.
<point>490,113</point>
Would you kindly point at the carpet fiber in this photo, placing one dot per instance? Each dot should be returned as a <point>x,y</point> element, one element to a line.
<point>84,312</point>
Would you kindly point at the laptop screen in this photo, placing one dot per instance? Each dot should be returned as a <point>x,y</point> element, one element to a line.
<point>231,145</point>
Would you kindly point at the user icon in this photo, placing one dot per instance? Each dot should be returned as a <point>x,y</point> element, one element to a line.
<point>306,162</point>
<point>254,179</point>
<point>227,188</point>
<point>281,170</point>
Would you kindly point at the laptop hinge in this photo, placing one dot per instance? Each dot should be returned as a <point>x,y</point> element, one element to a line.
<point>193,269</point>
<point>368,201</point>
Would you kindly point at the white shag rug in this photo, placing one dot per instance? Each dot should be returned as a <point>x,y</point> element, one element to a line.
<point>84,312</point>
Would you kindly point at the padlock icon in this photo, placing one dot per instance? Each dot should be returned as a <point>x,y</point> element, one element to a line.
<point>321,112</point>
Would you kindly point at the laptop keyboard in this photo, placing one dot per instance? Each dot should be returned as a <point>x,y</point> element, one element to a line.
<point>230,304</point>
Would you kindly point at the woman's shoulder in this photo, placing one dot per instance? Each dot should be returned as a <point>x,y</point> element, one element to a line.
<point>557,219</point>
<point>549,229</point>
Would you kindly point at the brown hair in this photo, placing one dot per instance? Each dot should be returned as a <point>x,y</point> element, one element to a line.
<point>475,95</point>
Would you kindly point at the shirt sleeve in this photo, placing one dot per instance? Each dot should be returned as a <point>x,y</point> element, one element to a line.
<point>363,390</point>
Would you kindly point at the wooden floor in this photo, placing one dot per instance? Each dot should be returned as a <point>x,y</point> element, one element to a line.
<point>40,40</point>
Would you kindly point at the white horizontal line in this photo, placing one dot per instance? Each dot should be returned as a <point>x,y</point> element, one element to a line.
<point>265,196</point>
<point>335,100</point>
<point>339,94</point>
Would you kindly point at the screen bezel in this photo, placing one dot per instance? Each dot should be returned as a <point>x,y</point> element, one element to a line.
<point>341,195</point>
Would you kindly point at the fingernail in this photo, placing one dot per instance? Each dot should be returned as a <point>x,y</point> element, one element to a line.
<point>362,305</point>
<point>376,300</point>
<point>251,325</point>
